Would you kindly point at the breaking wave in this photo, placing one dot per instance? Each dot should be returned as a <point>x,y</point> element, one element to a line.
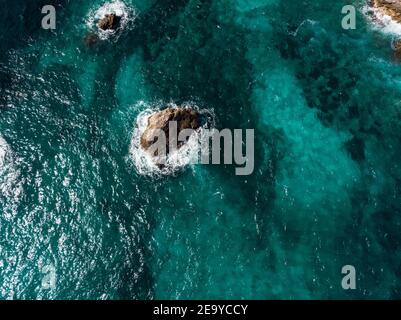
<point>127,15</point>
<point>3,152</point>
<point>381,21</point>
<point>10,186</point>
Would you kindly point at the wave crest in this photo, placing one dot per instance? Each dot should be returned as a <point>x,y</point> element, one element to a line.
<point>3,152</point>
<point>10,184</point>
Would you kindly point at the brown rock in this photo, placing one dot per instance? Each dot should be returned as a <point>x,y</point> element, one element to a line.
<point>109,22</point>
<point>396,45</point>
<point>391,8</point>
<point>186,119</point>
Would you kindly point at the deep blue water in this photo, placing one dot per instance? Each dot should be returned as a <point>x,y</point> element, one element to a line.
<point>325,104</point>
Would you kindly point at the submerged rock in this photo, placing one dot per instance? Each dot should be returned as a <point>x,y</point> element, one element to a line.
<point>396,45</point>
<point>109,22</point>
<point>391,8</point>
<point>356,148</point>
<point>91,39</point>
<point>185,118</point>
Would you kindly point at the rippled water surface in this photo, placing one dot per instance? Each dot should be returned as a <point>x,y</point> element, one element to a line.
<point>325,104</point>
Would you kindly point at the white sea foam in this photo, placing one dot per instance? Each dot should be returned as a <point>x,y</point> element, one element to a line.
<point>127,15</point>
<point>304,22</point>
<point>3,152</point>
<point>10,185</point>
<point>188,154</point>
<point>381,22</point>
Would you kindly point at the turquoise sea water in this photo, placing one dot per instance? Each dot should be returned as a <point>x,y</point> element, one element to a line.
<point>326,191</point>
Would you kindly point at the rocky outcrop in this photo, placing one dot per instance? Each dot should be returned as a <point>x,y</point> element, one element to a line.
<point>391,8</point>
<point>185,118</point>
<point>109,22</point>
